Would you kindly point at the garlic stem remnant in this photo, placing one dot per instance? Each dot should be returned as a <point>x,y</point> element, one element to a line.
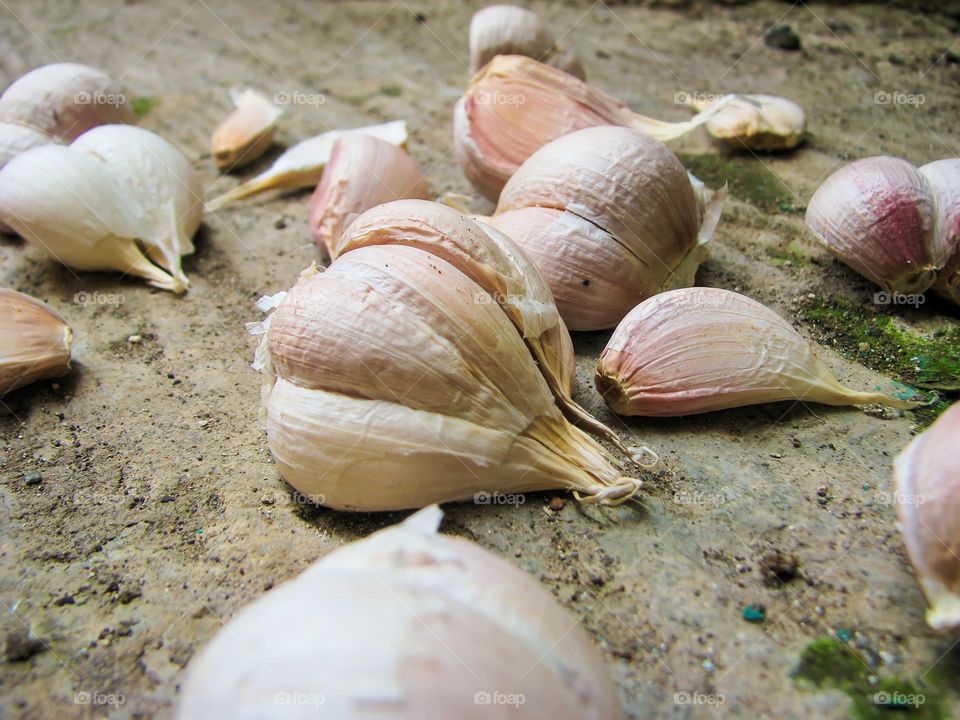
<point>247,132</point>
<point>363,172</point>
<point>696,350</point>
<point>453,623</point>
<point>302,165</point>
<point>515,106</point>
<point>757,122</point>
<point>893,223</point>
<point>34,341</point>
<point>512,30</point>
<point>928,506</point>
<point>65,100</point>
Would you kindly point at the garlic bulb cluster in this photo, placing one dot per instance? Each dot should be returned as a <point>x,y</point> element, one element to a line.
<point>302,165</point>
<point>459,633</point>
<point>893,223</point>
<point>511,30</point>
<point>247,132</point>
<point>516,105</point>
<point>118,198</point>
<point>695,350</point>
<point>363,171</point>
<point>928,506</point>
<point>65,100</point>
<point>610,217</point>
<point>394,381</point>
<point>34,341</point>
<point>757,122</point>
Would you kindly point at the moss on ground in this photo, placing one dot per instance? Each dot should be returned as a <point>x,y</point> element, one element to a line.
<point>143,105</point>
<point>748,179</point>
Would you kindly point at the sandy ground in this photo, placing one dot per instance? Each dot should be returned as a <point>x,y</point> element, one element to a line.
<point>158,512</point>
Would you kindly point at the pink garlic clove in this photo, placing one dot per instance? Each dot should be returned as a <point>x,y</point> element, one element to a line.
<point>944,179</point>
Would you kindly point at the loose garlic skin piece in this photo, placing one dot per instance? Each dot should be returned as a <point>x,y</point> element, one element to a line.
<point>247,132</point>
<point>35,341</point>
<point>697,350</point>
<point>395,388</point>
<point>15,139</point>
<point>363,172</point>
<point>65,100</point>
<point>757,122</point>
<point>928,506</point>
<point>453,622</point>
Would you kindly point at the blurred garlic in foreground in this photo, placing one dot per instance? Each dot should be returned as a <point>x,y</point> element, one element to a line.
<point>247,132</point>
<point>302,165</point>
<point>928,506</point>
<point>363,171</point>
<point>895,224</point>
<point>454,624</point>
<point>696,350</point>
<point>65,100</point>
<point>15,139</point>
<point>34,341</point>
<point>758,122</point>
<point>513,30</point>
<point>516,105</point>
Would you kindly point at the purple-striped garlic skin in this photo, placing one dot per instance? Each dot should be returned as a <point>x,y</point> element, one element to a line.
<point>944,179</point>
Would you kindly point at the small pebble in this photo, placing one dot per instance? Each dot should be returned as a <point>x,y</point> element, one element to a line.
<point>782,37</point>
<point>134,339</point>
<point>557,503</point>
<point>754,613</point>
<point>280,223</point>
<point>708,665</point>
<point>32,478</point>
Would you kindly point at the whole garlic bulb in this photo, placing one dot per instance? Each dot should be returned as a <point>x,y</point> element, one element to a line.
<point>610,217</point>
<point>695,350</point>
<point>15,139</point>
<point>928,505</point>
<point>391,385</point>
<point>757,122</point>
<point>417,625</point>
<point>247,132</point>
<point>65,100</point>
<point>512,30</point>
<point>516,105</point>
<point>34,341</point>
<point>895,224</point>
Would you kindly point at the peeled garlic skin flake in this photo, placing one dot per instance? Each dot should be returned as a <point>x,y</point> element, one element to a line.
<point>34,341</point>
<point>405,624</point>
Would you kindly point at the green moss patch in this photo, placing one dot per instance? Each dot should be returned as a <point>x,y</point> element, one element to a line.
<point>143,105</point>
<point>748,179</point>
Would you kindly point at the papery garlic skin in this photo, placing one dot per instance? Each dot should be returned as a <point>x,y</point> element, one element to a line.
<point>35,341</point>
<point>65,100</point>
<point>363,172</point>
<point>943,176</point>
<point>757,122</point>
<point>15,139</point>
<point>247,132</point>
<point>453,623</point>
<point>928,506</point>
<point>696,350</point>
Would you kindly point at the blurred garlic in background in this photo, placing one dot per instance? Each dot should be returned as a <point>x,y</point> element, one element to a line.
<point>757,122</point>
<point>247,132</point>
<point>34,341</point>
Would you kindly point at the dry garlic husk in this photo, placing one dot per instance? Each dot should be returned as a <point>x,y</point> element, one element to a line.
<point>757,122</point>
<point>118,198</point>
<point>247,132</point>
<point>65,100</point>
<point>610,217</point>
<point>512,30</point>
<point>453,624</point>
<point>389,386</point>
<point>363,171</point>
<point>694,350</point>
<point>928,505</point>
<point>515,105</point>
<point>895,224</point>
<point>34,341</point>
<point>15,139</point>
<point>302,165</point>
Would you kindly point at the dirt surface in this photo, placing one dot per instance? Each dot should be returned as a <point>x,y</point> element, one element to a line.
<point>140,506</point>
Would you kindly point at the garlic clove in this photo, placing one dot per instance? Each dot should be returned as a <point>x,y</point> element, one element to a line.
<point>34,341</point>
<point>757,122</point>
<point>928,505</point>
<point>453,622</point>
<point>65,100</point>
<point>302,165</point>
<point>363,172</point>
<point>247,132</point>
<point>943,177</point>
<point>696,350</point>
<point>15,139</point>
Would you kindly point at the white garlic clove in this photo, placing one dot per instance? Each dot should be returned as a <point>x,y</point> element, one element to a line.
<point>696,350</point>
<point>34,341</point>
<point>247,132</point>
<point>65,100</point>
<point>928,506</point>
<point>15,139</point>
<point>757,122</point>
<point>302,165</point>
<point>454,623</point>
<point>363,172</point>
